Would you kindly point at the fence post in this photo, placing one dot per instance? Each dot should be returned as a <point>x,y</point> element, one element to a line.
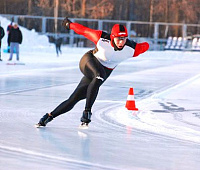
<point>128,26</point>
<point>43,25</point>
<point>100,25</point>
<point>16,19</point>
<point>156,34</point>
<point>71,35</point>
<point>184,30</point>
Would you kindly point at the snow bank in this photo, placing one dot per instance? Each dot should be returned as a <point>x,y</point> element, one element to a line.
<point>31,39</point>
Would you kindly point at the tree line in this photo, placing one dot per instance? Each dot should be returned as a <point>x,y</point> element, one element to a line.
<point>175,11</point>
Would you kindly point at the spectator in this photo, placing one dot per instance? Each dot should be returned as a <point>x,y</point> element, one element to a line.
<point>15,38</point>
<point>58,43</point>
<point>2,33</point>
<point>8,31</point>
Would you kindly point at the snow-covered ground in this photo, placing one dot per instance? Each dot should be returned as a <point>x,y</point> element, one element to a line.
<point>163,134</point>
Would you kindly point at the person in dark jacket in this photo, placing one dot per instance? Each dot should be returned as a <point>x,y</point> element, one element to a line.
<point>15,38</point>
<point>58,43</point>
<point>2,33</point>
<point>9,27</point>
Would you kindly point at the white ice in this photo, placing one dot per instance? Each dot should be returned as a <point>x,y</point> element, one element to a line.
<point>163,134</point>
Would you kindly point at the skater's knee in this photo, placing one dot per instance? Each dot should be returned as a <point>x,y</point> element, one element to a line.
<point>100,76</point>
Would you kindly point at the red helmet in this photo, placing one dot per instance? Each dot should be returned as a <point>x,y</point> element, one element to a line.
<point>119,30</point>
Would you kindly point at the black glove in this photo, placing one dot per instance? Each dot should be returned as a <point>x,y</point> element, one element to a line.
<point>66,23</point>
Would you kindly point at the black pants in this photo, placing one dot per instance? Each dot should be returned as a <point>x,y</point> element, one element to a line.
<point>95,75</point>
<point>0,49</point>
<point>58,49</point>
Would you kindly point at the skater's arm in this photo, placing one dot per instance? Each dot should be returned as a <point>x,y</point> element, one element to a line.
<point>91,34</point>
<point>140,48</point>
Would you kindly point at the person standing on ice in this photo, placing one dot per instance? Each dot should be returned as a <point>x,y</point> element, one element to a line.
<point>58,43</point>
<point>9,27</point>
<point>96,66</point>
<point>2,33</point>
<point>15,38</point>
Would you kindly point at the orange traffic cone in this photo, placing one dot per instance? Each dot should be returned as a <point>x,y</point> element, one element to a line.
<point>130,103</point>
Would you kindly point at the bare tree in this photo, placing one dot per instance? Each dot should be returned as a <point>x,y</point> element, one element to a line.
<point>56,4</point>
<point>83,8</point>
<point>187,11</point>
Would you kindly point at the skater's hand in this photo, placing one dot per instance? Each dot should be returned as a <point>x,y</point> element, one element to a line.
<point>66,23</point>
<point>141,48</point>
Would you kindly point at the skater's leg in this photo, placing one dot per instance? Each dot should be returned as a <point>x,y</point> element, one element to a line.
<point>60,49</point>
<point>98,74</point>
<point>17,50</point>
<point>8,45</point>
<point>76,96</point>
<point>57,50</point>
<point>98,78</point>
<point>94,75</point>
<point>11,50</point>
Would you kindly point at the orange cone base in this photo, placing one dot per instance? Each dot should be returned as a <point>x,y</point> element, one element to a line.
<point>130,105</point>
<point>134,109</point>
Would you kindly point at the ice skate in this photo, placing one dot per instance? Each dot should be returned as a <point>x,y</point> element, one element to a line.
<point>85,119</point>
<point>83,125</point>
<point>44,120</point>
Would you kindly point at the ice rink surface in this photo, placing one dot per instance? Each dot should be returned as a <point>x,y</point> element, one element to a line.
<point>163,134</point>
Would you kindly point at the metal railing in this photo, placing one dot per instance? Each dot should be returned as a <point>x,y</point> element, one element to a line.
<point>155,33</point>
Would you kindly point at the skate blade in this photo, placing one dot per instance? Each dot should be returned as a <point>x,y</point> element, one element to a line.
<point>38,126</point>
<point>83,126</point>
